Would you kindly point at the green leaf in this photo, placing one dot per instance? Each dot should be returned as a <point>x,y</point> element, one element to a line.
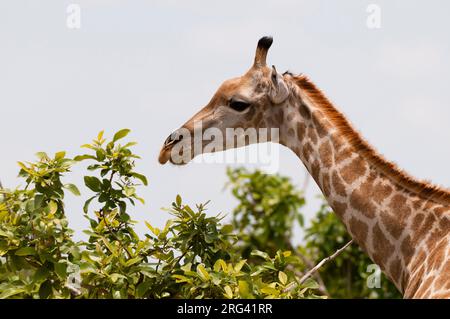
<point>244,289</point>
<point>227,229</point>
<point>110,247</point>
<point>86,204</point>
<point>120,134</point>
<point>61,270</point>
<point>260,254</point>
<point>45,290</point>
<point>53,208</point>
<point>93,183</point>
<point>60,155</point>
<point>220,264</point>
<point>24,167</point>
<point>73,189</point>
<point>154,230</point>
<point>282,277</point>
<point>141,177</point>
<point>178,200</point>
<point>114,277</point>
<point>11,292</point>
<point>203,273</point>
<point>41,274</point>
<point>228,292</point>
<point>142,288</point>
<point>133,261</point>
<point>239,265</point>
<point>100,135</point>
<point>42,156</point>
<point>310,284</point>
<point>270,291</point>
<point>25,251</point>
<point>129,191</point>
<point>80,158</point>
<point>129,145</point>
<point>181,278</point>
<point>89,146</point>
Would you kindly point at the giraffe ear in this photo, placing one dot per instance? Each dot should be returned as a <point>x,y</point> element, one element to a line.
<point>279,91</point>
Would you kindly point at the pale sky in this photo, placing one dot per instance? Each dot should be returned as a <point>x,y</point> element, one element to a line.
<point>150,65</point>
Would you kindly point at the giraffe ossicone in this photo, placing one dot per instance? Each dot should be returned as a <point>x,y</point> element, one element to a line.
<point>403,224</point>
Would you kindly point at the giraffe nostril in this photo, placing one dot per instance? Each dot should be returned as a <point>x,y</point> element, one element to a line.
<point>172,138</point>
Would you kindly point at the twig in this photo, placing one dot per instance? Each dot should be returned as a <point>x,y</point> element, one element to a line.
<point>315,268</point>
<point>309,263</point>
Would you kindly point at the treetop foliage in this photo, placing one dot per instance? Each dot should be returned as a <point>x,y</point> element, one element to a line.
<point>194,256</point>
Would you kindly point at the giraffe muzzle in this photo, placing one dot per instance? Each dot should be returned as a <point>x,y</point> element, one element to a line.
<point>165,154</point>
<point>173,138</point>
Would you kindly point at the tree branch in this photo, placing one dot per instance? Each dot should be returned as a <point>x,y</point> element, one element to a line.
<point>315,268</point>
<point>309,263</point>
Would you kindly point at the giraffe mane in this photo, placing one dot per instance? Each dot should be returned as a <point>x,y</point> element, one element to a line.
<point>422,188</point>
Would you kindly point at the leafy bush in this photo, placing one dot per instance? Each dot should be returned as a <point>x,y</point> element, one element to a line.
<point>36,246</point>
<point>192,257</point>
<point>267,210</point>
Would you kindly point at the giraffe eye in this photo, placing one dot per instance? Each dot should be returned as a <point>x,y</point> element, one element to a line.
<point>239,106</point>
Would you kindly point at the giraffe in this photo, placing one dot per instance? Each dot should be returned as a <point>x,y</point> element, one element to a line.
<point>403,224</point>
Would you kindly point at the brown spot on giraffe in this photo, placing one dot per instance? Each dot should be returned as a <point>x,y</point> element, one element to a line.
<point>338,184</point>
<point>307,150</point>
<point>326,154</point>
<point>326,186</point>
<point>354,170</point>
<point>290,116</point>
<point>304,111</point>
<point>399,206</point>
<point>421,231</point>
<point>382,246</point>
<point>358,201</point>
<point>407,249</point>
<point>337,142</point>
<point>391,223</point>
<point>315,168</point>
<point>320,125</point>
<point>312,135</point>
<point>395,269</point>
<point>301,129</point>
<point>359,230</point>
<point>339,208</point>
<point>291,132</point>
<point>367,186</point>
<point>381,192</point>
<point>444,223</point>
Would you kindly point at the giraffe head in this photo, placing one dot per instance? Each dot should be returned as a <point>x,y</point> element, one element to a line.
<point>240,106</point>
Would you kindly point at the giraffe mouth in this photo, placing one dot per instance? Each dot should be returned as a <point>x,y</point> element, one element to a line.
<point>166,155</point>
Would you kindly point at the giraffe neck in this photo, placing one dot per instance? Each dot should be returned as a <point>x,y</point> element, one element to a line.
<point>381,216</point>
